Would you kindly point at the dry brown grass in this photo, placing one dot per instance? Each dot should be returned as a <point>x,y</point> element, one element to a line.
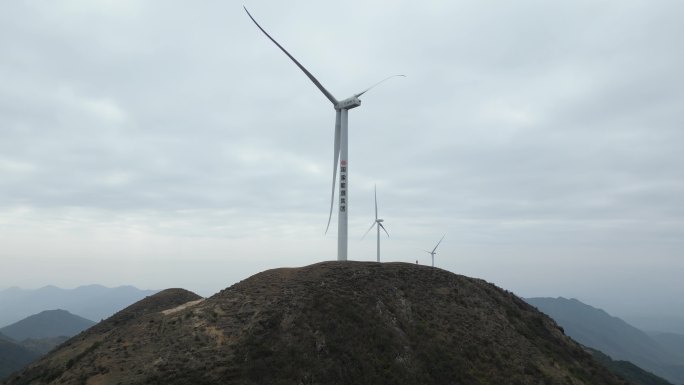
<point>328,323</point>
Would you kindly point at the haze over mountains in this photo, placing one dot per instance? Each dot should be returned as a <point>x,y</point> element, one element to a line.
<point>93,302</point>
<point>46,324</point>
<point>657,323</point>
<point>628,370</point>
<point>26,340</point>
<point>35,321</point>
<point>332,322</point>
<point>662,354</point>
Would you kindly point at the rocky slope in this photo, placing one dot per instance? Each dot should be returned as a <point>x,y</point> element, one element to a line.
<point>328,323</point>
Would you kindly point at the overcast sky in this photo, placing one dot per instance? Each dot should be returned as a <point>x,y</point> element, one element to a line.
<point>170,144</point>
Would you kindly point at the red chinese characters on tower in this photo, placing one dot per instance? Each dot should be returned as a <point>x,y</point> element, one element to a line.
<point>343,186</point>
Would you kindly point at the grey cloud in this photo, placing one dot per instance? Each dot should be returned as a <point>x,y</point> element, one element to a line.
<point>527,123</point>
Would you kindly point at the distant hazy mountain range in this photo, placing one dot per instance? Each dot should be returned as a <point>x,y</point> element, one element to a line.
<point>628,370</point>
<point>94,302</point>
<point>47,324</point>
<point>657,322</point>
<point>28,331</point>
<point>24,341</point>
<point>662,354</point>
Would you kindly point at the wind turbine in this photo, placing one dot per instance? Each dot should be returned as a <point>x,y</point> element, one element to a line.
<point>377,223</point>
<point>433,252</point>
<point>340,152</point>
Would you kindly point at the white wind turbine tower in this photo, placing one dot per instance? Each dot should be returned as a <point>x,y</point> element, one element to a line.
<point>340,148</point>
<point>377,223</point>
<point>433,252</point>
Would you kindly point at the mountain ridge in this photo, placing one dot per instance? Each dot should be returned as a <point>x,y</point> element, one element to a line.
<point>628,370</point>
<point>327,323</point>
<point>47,324</point>
<point>94,302</point>
<point>611,335</point>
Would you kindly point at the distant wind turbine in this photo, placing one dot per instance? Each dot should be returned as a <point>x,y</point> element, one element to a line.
<point>377,223</point>
<point>433,252</point>
<point>340,148</point>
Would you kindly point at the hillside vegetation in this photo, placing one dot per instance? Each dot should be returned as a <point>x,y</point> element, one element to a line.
<point>328,323</point>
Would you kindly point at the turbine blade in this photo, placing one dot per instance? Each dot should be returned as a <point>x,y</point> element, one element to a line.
<point>369,229</point>
<point>377,84</point>
<point>336,158</point>
<point>376,202</point>
<point>383,228</point>
<point>301,67</point>
<point>440,241</point>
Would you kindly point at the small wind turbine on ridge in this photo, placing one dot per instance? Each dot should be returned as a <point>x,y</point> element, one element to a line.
<point>433,252</point>
<point>340,152</point>
<point>377,223</point>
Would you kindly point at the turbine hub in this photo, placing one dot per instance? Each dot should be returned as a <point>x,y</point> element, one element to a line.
<point>348,104</point>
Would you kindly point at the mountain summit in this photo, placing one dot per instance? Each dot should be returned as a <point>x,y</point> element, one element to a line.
<point>48,323</point>
<point>328,323</point>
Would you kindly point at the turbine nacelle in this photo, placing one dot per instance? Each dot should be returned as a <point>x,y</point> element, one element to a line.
<point>379,220</point>
<point>349,103</point>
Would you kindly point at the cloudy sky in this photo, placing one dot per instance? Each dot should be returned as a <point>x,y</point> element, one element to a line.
<point>165,144</point>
